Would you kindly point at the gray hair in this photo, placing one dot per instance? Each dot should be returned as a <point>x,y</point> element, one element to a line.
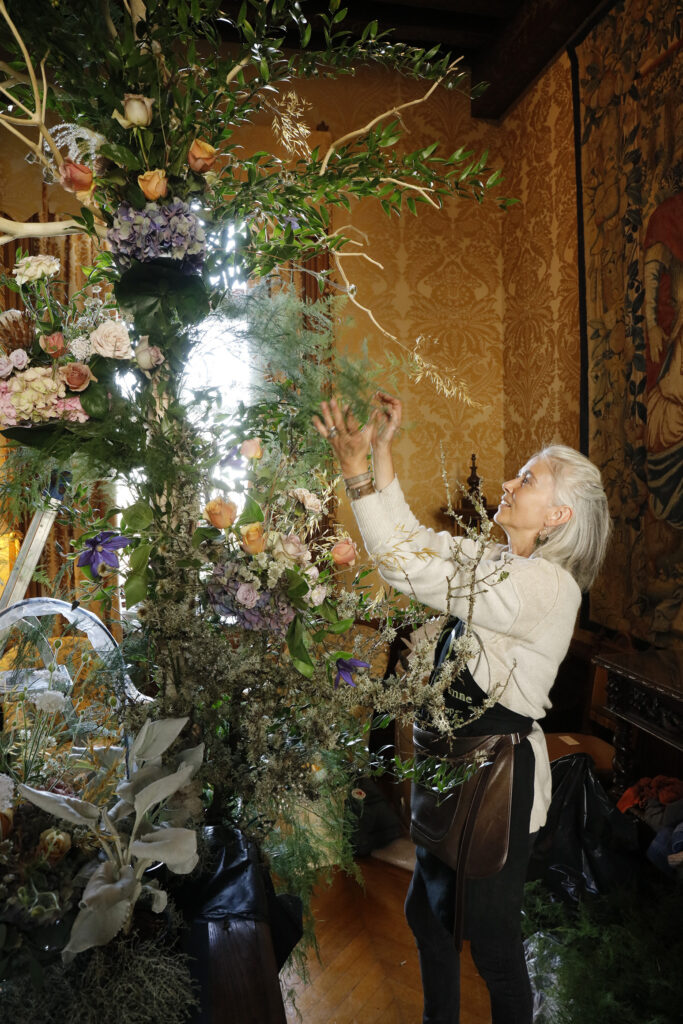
<point>580,544</point>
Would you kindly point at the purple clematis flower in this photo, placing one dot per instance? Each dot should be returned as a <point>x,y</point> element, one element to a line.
<point>233,458</point>
<point>345,669</point>
<point>100,551</point>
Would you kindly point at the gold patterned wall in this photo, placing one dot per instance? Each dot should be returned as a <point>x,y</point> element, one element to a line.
<point>541,349</point>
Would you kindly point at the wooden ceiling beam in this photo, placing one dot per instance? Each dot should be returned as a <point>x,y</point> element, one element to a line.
<point>539,32</point>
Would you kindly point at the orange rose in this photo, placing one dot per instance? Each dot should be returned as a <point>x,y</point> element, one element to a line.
<point>75,177</point>
<point>76,376</point>
<point>253,538</point>
<point>252,449</point>
<point>201,156</point>
<point>220,513</point>
<point>53,344</point>
<point>344,552</point>
<point>153,184</point>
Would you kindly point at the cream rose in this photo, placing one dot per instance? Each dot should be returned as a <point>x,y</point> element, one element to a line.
<point>308,500</point>
<point>147,356</point>
<point>111,340</point>
<point>137,111</point>
<point>153,184</point>
<point>76,376</point>
<point>290,548</point>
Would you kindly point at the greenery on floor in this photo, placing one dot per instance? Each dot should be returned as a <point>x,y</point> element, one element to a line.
<point>615,958</point>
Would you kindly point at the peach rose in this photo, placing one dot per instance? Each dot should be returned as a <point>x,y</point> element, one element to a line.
<point>344,552</point>
<point>253,538</point>
<point>252,449</point>
<point>201,156</point>
<point>75,177</point>
<point>53,845</point>
<point>153,184</point>
<point>53,344</point>
<point>220,513</point>
<point>76,376</point>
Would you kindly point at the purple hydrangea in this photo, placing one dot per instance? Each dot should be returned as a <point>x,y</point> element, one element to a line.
<point>271,611</point>
<point>171,230</point>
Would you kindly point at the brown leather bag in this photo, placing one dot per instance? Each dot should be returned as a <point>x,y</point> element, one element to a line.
<point>469,829</point>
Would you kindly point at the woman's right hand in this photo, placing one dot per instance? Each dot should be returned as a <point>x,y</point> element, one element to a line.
<point>350,443</point>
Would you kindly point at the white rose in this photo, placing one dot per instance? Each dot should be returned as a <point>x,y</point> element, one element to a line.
<point>290,549</point>
<point>33,268</point>
<point>317,595</point>
<point>111,340</point>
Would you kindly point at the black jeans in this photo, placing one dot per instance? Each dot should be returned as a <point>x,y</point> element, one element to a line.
<point>493,911</point>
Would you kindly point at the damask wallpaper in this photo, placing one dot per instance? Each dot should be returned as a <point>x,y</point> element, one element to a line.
<point>629,88</point>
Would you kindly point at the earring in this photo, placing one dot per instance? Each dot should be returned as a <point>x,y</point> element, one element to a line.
<point>542,537</point>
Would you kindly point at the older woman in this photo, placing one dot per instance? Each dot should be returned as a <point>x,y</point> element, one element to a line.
<point>555,517</point>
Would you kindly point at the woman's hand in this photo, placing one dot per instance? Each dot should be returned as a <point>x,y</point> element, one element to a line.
<point>386,422</point>
<point>350,443</point>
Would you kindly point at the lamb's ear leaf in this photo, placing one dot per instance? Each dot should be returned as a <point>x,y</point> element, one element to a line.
<point>175,847</point>
<point>161,789</point>
<point>68,808</point>
<point>156,737</point>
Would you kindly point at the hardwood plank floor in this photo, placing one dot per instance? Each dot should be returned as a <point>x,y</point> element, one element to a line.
<point>368,971</point>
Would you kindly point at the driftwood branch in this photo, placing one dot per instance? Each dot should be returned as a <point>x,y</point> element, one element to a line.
<point>14,229</point>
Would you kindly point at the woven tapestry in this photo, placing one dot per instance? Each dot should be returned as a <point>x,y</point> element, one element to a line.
<point>628,101</point>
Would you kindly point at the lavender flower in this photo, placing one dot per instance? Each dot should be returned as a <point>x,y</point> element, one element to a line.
<point>271,610</point>
<point>100,551</point>
<point>345,669</point>
<point>172,231</point>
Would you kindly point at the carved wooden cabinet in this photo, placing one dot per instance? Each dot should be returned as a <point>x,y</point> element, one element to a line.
<point>645,699</point>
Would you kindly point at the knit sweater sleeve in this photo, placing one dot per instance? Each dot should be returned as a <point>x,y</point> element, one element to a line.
<point>434,567</point>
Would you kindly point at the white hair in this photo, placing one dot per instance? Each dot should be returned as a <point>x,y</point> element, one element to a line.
<point>580,544</point>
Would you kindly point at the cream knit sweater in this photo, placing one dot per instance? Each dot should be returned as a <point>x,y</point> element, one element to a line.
<point>524,622</point>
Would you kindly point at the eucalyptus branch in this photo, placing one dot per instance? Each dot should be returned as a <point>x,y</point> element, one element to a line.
<point>334,146</point>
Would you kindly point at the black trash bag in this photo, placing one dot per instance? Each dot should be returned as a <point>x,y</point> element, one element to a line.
<point>236,886</point>
<point>587,845</point>
<point>376,823</point>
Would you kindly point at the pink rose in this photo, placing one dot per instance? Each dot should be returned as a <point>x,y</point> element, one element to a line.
<point>53,344</point>
<point>111,340</point>
<point>247,594</point>
<point>76,376</point>
<point>75,177</point>
<point>344,552</point>
<point>252,449</point>
<point>147,356</point>
<point>19,359</point>
<point>6,367</point>
<point>310,502</point>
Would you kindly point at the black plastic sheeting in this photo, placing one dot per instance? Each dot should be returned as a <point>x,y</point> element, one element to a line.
<point>587,845</point>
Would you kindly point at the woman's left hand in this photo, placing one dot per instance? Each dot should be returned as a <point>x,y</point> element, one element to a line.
<point>350,443</point>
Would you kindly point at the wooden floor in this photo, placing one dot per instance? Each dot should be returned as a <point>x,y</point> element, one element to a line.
<point>368,971</point>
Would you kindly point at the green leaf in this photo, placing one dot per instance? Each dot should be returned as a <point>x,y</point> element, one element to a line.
<point>139,557</point>
<point>158,294</point>
<point>121,155</point>
<point>296,644</point>
<point>339,627</point>
<point>95,401</point>
<point>135,588</point>
<point>298,586</point>
<point>203,533</point>
<point>137,517</point>
<point>251,513</point>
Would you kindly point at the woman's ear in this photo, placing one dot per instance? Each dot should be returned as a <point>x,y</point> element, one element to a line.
<point>558,515</point>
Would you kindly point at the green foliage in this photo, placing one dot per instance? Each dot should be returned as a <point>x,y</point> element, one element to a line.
<point>617,957</point>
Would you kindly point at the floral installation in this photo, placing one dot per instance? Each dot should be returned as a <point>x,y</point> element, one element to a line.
<point>250,621</point>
